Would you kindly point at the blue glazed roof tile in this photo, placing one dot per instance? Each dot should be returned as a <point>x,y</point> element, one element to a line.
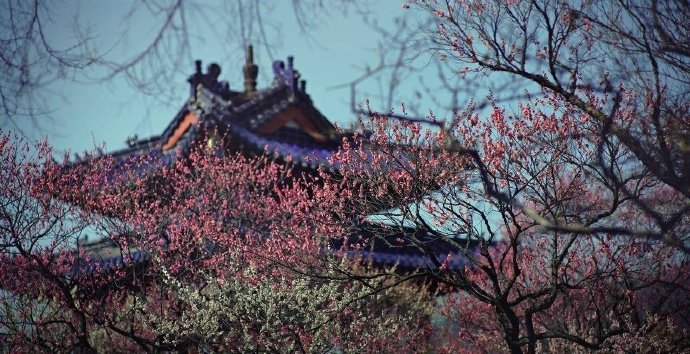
<point>95,264</point>
<point>313,157</point>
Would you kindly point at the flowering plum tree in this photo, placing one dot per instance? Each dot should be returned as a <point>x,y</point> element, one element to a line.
<point>550,271</point>
<point>236,261</point>
<point>566,215</point>
<point>36,233</point>
<point>233,260</point>
<point>621,67</point>
<point>576,196</point>
<point>243,252</point>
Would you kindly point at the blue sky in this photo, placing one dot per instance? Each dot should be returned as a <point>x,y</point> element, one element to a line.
<point>88,112</point>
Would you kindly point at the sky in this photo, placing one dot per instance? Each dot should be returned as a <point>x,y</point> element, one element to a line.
<point>87,112</point>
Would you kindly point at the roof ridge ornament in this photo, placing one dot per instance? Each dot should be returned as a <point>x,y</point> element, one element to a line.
<point>251,71</point>
<point>288,76</point>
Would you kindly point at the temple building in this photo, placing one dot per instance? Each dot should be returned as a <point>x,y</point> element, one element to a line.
<point>280,120</point>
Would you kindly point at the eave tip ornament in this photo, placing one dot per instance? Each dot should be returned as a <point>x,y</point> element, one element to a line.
<point>289,76</point>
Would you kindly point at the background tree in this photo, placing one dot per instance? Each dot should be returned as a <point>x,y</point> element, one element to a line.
<point>29,59</point>
<point>38,51</point>
<point>552,177</point>
<point>518,283</point>
<point>612,62</point>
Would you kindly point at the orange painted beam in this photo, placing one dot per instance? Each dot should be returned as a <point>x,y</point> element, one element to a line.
<point>296,114</point>
<point>186,122</point>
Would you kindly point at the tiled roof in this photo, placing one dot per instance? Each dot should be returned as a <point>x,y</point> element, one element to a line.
<point>242,114</point>
<point>103,265</point>
<point>393,246</point>
<point>305,156</point>
<point>241,120</point>
<point>104,256</point>
<point>412,261</point>
<point>404,258</point>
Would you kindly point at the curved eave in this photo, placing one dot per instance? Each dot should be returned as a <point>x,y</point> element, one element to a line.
<point>294,153</point>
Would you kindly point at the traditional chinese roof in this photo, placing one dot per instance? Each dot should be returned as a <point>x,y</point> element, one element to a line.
<point>280,120</point>
<point>105,255</point>
<point>408,248</point>
<point>388,248</point>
